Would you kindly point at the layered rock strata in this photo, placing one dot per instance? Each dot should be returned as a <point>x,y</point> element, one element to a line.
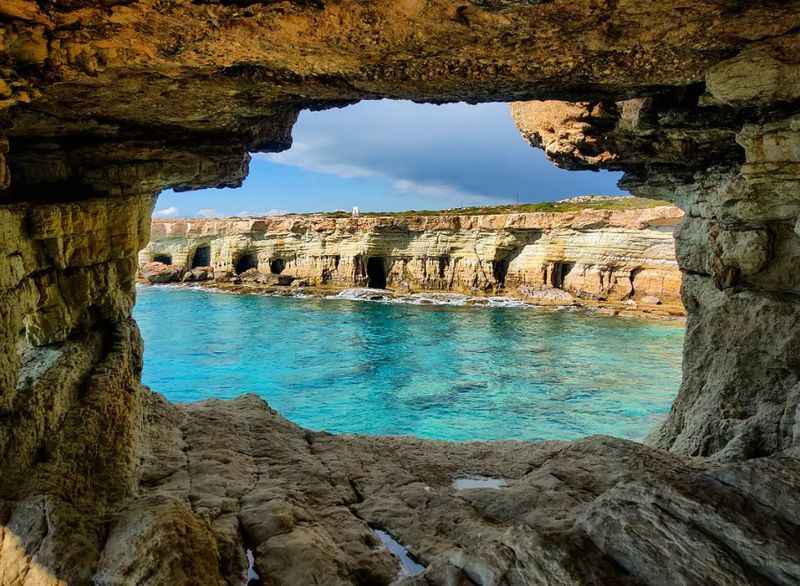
<point>593,254</point>
<point>106,103</point>
<point>738,245</point>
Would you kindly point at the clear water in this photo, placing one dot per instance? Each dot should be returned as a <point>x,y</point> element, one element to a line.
<point>457,373</point>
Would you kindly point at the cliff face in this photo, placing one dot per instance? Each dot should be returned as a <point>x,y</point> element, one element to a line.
<point>70,363</point>
<point>593,253</point>
<point>738,244</point>
<point>105,103</point>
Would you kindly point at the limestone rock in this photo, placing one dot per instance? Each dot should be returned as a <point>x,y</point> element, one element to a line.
<point>156,272</point>
<point>105,104</point>
<point>197,274</point>
<point>547,296</point>
<point>597,253</point>
<point>650,300</point>
<point>734,171</point>
<point>304,502</point>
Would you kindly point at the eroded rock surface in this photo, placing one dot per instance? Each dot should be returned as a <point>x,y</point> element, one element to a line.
<point>732,166</point>
<point>597,254</point>
<point>105,103</point>
<point>596,511</point>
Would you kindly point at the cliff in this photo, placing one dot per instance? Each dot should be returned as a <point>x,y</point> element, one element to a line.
<point>594,254</point>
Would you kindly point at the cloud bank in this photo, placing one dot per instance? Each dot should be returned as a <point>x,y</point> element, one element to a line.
<point>453,152</point>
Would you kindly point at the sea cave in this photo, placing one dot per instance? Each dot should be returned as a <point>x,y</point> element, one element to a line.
<point>104,105</point>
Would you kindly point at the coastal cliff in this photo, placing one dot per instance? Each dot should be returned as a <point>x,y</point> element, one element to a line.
<point>592,254</point>
<point>104,104</point>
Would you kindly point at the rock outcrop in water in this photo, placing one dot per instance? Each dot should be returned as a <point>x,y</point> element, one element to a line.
<point>105,103</point>
<point>594,254</point>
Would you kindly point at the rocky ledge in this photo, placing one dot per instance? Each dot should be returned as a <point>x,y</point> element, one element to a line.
<point>219,478</point>
<point>621,258</point>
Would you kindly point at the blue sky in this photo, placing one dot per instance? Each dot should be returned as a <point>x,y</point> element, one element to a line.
<point>394,155</point>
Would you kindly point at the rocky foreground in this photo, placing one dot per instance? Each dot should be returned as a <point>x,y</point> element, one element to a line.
<point>222,477</point>
<point>619,258</point>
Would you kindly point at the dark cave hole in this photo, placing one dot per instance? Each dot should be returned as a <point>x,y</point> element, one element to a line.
<point>632,279</point>
<point>276,266</point>
<point>559,273</point>
<point>500,270</point>
<point>376,273</point>
<point>201,256</point>
<point>444,262</point>
<point>245,262</point>
<point>162,258</point>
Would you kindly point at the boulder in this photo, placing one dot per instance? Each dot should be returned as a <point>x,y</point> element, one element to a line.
<point>198,274</point>
<point>256,276</point>
<point>650,300</point>
<point>156,272</point>
<point>546,296</point>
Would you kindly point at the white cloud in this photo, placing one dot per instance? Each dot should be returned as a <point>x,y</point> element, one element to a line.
<point>316,156</point>
<point>167,212</point>
<point>438,190</point>
<point>207,213</point>
<point>397,151</point>
<point>312,157</point>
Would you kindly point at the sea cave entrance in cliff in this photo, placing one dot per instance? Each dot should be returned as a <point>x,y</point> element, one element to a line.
<point>438,246</point>
<point>559,273</point>
<point>245,261</point>
<point>162,258</point>
<point>376,272</point>
<point>276,266</point>
<point>201,256</point>
<point>500,270</point>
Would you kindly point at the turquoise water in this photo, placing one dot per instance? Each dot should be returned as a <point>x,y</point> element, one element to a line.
<point>457,373</point>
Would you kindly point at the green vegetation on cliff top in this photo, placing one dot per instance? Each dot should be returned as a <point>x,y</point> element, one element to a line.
<point>600,203</point>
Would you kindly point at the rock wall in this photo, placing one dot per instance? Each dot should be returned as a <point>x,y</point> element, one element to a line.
<point>593,253</point>
<point>70,362</point>
<point>738,246</point>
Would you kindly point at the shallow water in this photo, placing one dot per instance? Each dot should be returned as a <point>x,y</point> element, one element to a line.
<point>408,567</point>
<point>444,372</point>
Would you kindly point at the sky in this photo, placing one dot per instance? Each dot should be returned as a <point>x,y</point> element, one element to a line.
<point>391,156</point>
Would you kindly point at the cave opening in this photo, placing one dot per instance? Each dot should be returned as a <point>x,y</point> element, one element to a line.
<point>201,256</point>
<point>499,271</point>
<point>737,55</point>
<point>444,263</point>
<point>559,273</point>
<point>376,272</point>
<point>276,266</point>
<point>162,258</point>
<point>245,262</point>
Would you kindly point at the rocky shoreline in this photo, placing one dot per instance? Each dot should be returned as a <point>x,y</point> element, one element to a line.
<point>618,261</point>
<point>548,299</point>
<point>307,505</point>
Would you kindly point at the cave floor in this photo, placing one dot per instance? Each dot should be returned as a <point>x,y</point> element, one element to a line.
<point>596,511</point>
